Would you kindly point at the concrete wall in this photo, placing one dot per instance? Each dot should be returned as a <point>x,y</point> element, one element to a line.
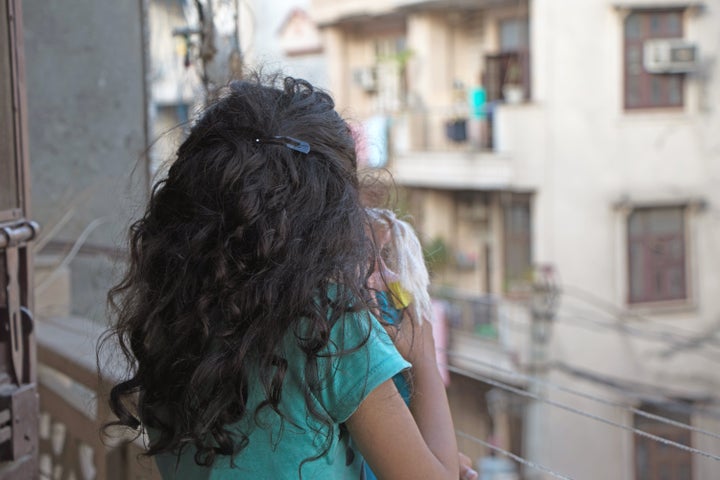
<point>590,156</point>
<point>87,116</point>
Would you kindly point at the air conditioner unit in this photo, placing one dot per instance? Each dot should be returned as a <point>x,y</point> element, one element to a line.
<point>366,78</point>
<point>670,55</point>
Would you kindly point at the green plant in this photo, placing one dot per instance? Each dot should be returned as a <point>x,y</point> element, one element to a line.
<point>400,57</point>
<point>437,253</point>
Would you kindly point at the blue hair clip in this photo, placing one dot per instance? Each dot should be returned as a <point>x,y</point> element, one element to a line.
<point>289,142</point>
<point>295,144</point>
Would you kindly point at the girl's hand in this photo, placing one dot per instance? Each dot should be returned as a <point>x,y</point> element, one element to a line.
<point>466,470</point>
<point>414,341</point>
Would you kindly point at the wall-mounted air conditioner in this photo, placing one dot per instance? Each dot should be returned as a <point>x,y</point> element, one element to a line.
<point>366,78</point>
<point>670,55</point>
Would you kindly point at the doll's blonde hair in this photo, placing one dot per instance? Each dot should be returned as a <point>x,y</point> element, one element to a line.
<point>405,258</point>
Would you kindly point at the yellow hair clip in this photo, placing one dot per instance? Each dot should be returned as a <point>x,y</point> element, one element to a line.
<point>401,298</point>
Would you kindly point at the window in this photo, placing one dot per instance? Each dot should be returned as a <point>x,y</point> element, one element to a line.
<point>656,254</point>
<point>657,461</point>
<point>643,89</point>
<point>518,252</point>
<point>510,68</point>
<point>391,56</point>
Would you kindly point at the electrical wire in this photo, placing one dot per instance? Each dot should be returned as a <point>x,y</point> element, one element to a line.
<point>662,337</point>
<point>504,386</point>
<point>68,210</point>
<point>588,396</point>
<point>621,314</point>
<point>676,341</point>
<point>656,335</point>
<point>515,457</point>
<point>47,281</point>
<point>626,389</point>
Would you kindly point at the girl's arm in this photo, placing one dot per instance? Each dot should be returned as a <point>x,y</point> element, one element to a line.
<point>400,443</point>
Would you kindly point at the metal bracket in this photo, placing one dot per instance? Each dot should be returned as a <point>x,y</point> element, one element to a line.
<point>18,421</point>
<point>10,239</point>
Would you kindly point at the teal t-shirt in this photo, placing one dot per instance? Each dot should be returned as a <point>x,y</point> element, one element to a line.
<point>277,447</point>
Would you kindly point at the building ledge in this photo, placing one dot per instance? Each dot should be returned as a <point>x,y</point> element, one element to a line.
<point>473,354</point>
<point>331,12</point>
<point>628,5</point>
<point>453,170</point>
<point>453,4</point>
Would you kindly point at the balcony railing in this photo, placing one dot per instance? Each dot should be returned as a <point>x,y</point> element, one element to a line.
<point>73,396</point>
<point>486,327</point>
<point>442,129</point>
<point>73,409</point>
<point>476,314</point>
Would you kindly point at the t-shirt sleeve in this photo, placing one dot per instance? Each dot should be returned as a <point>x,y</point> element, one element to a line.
<point>356,367</point>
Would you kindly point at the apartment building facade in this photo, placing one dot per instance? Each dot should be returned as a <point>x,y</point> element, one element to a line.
<point>578,136</point>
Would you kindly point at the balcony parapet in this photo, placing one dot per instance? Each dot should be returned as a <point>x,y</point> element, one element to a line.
<point>443,148</point>
<point>73,407</point>
<point>454,170</point>
<point>487,330</point>
<point>328,12</point>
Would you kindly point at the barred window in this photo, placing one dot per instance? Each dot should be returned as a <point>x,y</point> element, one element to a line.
<point>644,89</point>
<point>656,254</point>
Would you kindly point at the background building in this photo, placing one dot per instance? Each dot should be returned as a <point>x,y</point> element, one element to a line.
<point>560,160</point>
<point>595,158</point>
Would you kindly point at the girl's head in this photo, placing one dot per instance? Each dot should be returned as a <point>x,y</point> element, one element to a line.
<point>263,190</point>
<point>246,234</point>
<point>400,262</point>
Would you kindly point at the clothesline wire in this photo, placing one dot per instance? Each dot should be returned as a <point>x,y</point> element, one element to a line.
<point>515,457</point>
<point>568,408</point>
<point>588,396</point>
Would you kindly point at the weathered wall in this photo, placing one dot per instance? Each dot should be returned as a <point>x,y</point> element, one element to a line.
<point>87,121</point>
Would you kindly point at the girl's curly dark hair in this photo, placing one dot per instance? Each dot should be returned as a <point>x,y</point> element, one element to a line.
<point>240,240</point>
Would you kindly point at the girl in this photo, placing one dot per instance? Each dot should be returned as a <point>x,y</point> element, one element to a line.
<point>244,312</point>
<point>399,283</point>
